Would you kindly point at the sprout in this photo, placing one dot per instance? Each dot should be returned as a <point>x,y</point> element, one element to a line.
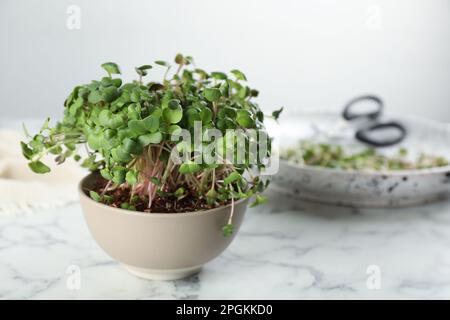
<point>126,131</point>
<point>334,156</point>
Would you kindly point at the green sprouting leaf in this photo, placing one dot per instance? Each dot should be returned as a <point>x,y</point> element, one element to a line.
<point>109,94</point>
<point>179,192</point>
<point>38,167</point>
<point>173,113</point>
<point>120,155</point>
<point>254,93</point>
<point>219,75</point>
<point>227,230</point>
<point>127,206</point>
<point>95,141</point>
<point>239,75</point>
<point>95,97</point>
<point>111,68</point>
<point>224,89</point>
<point>26,151</point>
<point>212,94</point>
<point>234,176</point>
<point>189,167</point>
<point>132,146</point>
<point>162,63</point>
<point>179,59</point>
<point>202,73</point>
<point>155,181</point>
<point>94,196</point>
<point>106,174</point>
<point>174,129</point>
<point>151,123</point>
<point>107,198</point>
<point>74,107</point>
<point>276,113</point>
<point>259,199</point>
<point>206,115</point>
<point>117,82</point>
<point>244,119</point>
<point>150,138</point>
<point>131,177</point>
<point>137,127</point>
<point>212,194</point>
<point>105,117</point>
<point>142,70</point>
<point>260,116</point>
<point>119,174</point>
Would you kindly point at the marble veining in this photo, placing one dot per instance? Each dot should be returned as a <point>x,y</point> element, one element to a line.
<point>287,249</point>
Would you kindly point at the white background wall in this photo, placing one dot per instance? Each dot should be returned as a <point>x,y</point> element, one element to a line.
<point>299,54</point>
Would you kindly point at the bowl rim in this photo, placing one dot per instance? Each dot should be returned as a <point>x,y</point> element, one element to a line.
<point>84,196</point>
<point>384,173</point>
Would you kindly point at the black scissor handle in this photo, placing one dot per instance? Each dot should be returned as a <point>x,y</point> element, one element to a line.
<point>348,115</point>
<point>363,134</point>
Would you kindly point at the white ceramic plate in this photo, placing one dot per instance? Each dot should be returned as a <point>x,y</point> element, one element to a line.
<point>367,189</point>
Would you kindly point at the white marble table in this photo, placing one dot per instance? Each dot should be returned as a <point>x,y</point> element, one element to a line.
<point>285,250</point>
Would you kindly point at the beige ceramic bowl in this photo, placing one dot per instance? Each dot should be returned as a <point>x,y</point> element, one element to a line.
<point>159,246</point>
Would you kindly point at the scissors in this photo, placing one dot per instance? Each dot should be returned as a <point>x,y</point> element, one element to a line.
<point>366,125</point>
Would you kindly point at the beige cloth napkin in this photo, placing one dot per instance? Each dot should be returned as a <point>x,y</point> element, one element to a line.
<point>23,191</point>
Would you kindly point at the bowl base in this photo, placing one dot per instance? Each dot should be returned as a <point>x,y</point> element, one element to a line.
<point>162,274</point>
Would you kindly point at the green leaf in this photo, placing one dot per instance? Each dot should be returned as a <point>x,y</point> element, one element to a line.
<point>26,151</point>
<point>109,94</point>
<point>162,63</point>
<point>239,75</point>
<point>212,194</point>
<point>189,167</point>
<point>179,59</point>
<point>74,107</point>
<point>111,68</point>
<point>95,141</point>
<point>212,94</point>
<point>179,192</point>
<point>38,167</point>
<point>105,117</point>
<point>276,113</point>
<point>244,119</point>
<point>150,138</point>
<point>132,146</point>
<point>142,70</point>
<point>206,115</point>
<point>120,155</point>
<point>259,199</point>
<point>151,123</point>
<point>234,176</point>
<point>227,230</point>
<point>173,113</point>
<point>94,196</point>
<point>131,177</point>
<point>219,75</point>
<point>224,89</point>
<point>137,127</point>
<point>95,97</point>
<point>117,82</point>
<point>127,206</point>
<point>106,174</point>
<point>155,181</point>
<point>173,128</point>
<point>119,175</point>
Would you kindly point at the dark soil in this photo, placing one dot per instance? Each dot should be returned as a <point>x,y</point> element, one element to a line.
<point>168,204</point>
